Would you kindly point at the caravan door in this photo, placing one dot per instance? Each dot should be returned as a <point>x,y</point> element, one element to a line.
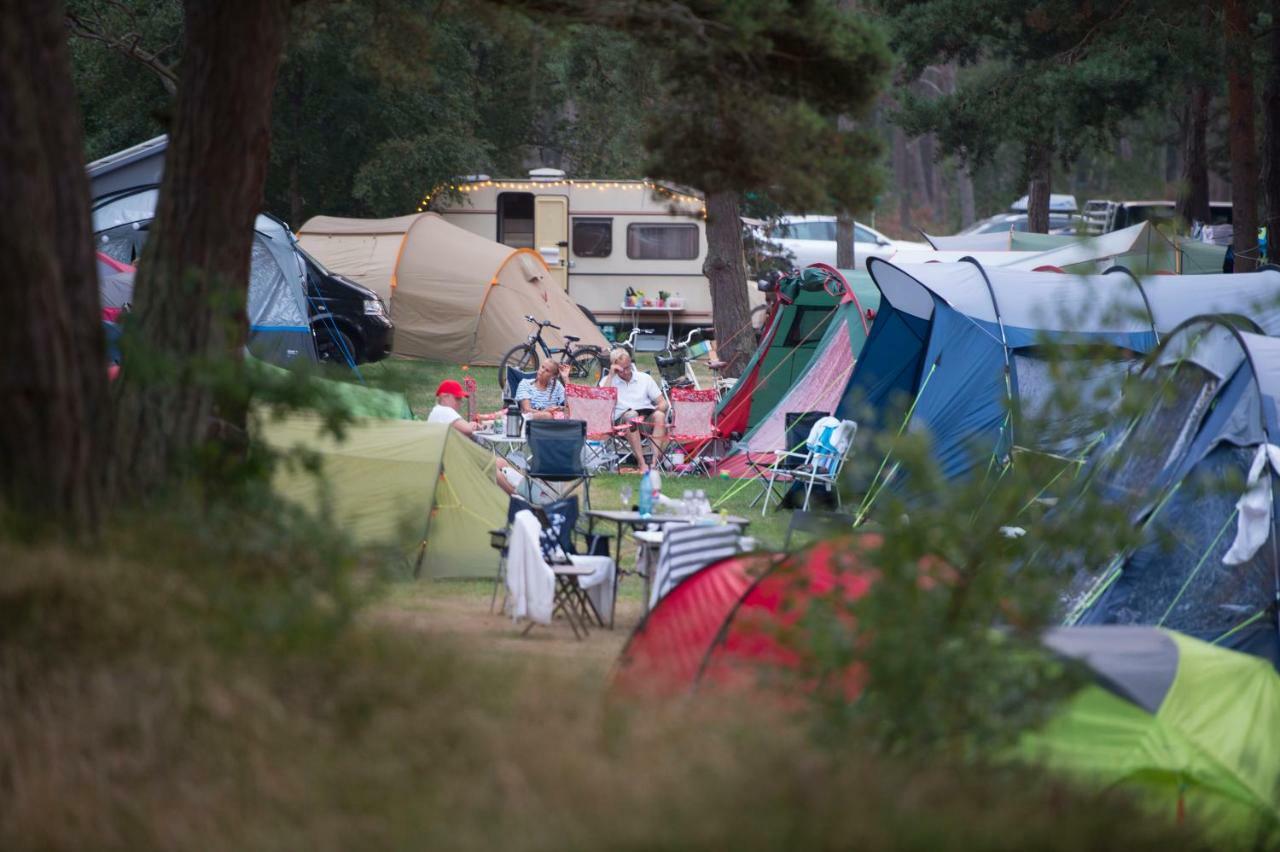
<point>551,234</point>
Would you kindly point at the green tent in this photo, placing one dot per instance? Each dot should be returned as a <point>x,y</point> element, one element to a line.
<point>1192,728</point>
<point>794,335</point>
<point>403,483</point>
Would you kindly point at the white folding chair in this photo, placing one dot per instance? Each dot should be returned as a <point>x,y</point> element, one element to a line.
<point>822,459</point>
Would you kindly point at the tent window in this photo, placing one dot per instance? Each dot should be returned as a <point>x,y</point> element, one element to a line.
<point>138,207</point>
<point>662,242</point>
<point>1065,404</point>
<point>1181,399</point>
<point>592,237</point>
<point>515,219</point>
<point>808,326</point>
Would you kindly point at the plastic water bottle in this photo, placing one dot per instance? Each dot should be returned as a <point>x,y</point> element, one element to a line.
<point>646,495</point>
<point>688,509</point>
<point>703,506</point>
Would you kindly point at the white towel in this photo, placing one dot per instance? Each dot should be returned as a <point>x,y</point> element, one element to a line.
<point>599,583</point>
<point>530,582</point>
<point>1253,522</point>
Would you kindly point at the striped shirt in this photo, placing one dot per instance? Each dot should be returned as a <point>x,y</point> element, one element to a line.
<point>540,399</point>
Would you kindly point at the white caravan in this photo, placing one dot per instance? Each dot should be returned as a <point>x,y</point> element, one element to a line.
<point>599,237</point>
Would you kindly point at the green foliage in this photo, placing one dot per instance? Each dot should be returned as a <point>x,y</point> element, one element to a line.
<point>189,695</point>
<point>750,92</point>
<point>1055,73</point>
<point>123,102</point>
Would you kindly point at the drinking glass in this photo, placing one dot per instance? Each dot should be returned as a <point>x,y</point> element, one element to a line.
<point>624,494</point>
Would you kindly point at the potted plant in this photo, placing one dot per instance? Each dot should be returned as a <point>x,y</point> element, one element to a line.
<point>663,295</point>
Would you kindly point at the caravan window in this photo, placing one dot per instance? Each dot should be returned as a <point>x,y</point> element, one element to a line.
<point>515,219</point>
<point>662,242</point>
<point>592,237</point>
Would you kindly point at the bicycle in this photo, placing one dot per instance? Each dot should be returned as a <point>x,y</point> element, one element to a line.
<point>675,364</point>
<point>587,363</point>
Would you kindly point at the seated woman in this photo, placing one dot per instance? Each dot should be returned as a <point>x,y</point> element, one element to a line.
<point>542,396</point>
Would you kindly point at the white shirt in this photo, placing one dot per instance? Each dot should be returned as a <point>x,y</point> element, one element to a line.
<point>641,392</point>
<point>443,414</point>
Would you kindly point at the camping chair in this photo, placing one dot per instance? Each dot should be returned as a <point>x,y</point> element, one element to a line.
<point>555,456</point>
<point>821,460</point>
<point>798,425</point>
<point>820,524</point>
<point>594,406</point>
<point>513,379</point>
<point>692,430</point>
<point>686,550</point>
<point>591,545</point>
<point>549,582</point>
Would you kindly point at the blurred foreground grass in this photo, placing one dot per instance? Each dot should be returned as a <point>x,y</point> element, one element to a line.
<point>184,688</point>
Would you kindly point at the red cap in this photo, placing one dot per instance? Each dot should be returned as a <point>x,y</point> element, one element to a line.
<point>452,388</point>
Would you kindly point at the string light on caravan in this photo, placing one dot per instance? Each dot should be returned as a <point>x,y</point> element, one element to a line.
<point>526,186</point>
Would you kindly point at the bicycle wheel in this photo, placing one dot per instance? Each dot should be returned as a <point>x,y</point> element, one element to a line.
<point>586,367</point>
<point>522,357</point>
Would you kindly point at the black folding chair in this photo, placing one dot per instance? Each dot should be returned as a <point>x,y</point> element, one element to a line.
<point>555,456</point>
<point>512,383</point>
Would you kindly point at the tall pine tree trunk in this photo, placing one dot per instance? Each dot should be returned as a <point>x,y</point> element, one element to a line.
<point>191,289</point>
<point>1271,132</point>
<point>52,355</point>
<point>1039,182</point>
<point>1193,193</point>
<point>1240,134</point>
<point>844,241</point>
<point>726,269</point>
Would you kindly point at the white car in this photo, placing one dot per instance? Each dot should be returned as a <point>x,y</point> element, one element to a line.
<point>812,239</point>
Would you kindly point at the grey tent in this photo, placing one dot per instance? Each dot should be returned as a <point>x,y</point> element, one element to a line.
<point>1198,472</point>
<point>279,329</point>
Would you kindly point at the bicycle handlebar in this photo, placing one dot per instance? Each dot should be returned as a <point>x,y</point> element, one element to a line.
<point>542,323</point>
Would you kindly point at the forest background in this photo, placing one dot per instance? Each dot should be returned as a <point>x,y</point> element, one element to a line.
<point>379,102</point>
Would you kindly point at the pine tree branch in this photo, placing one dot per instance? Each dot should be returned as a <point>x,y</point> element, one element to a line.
<point>128,44</point>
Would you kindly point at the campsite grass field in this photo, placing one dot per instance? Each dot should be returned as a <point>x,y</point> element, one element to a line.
<point>461,607</point>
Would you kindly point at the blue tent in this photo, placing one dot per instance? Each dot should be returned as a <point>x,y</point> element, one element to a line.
<point>959,347</point>
<point>1208,564</point>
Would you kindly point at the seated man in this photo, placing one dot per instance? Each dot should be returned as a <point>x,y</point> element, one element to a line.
<point>638,399</point>
<point>542,397</point>
<point>449,395</point>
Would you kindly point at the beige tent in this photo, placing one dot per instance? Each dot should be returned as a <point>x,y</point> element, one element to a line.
<point>399,483</point>
<point>454,296</point>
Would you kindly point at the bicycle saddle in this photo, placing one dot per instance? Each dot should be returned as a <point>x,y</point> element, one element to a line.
<point>717,365</point>
<point>571,339</point>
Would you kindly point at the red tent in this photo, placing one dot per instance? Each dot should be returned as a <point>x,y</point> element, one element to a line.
<point>663,655</point>
<point>721,627</point>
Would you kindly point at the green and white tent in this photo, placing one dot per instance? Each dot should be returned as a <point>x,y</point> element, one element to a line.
<point>1192,729</point>
<point>796,332</point>
<point>418,487</point>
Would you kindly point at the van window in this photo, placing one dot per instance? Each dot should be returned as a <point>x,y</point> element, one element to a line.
<point>662,242</point>
<point>592,237</point>
<point>515,219</point>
